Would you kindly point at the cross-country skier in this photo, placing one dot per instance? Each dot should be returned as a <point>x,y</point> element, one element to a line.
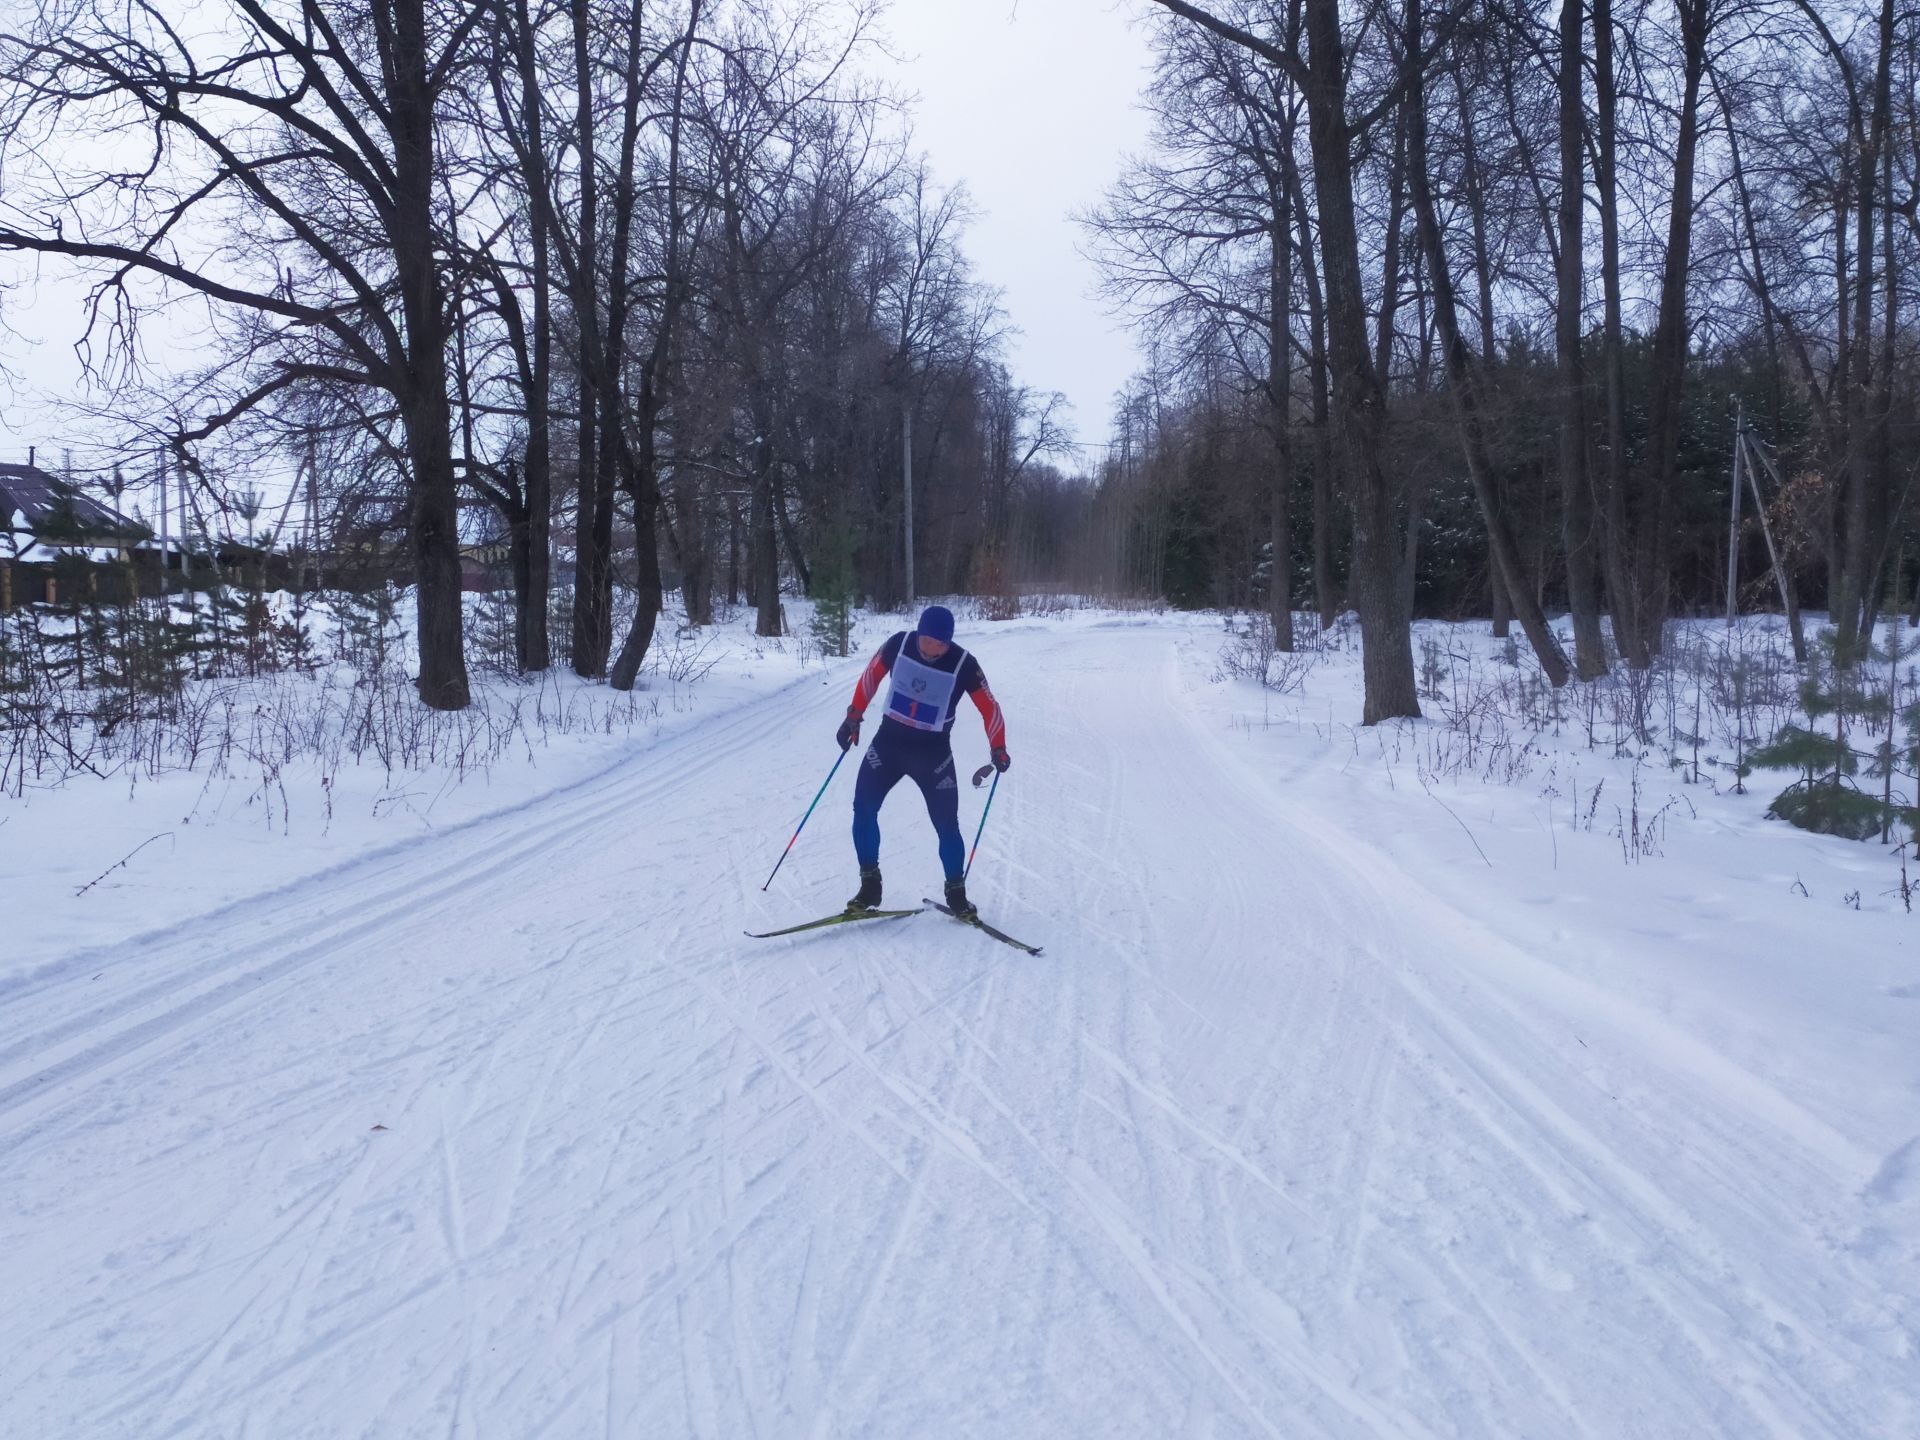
<point>929,673</point>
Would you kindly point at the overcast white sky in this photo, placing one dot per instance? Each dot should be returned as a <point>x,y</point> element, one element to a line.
<point>1029,103</point>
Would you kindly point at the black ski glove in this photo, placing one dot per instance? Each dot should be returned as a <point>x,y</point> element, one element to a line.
<point>1001,760</point>
<point>849,732</point>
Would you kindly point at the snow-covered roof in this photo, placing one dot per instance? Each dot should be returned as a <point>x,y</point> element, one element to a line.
<point>46,501</point>
<point>19,546</point>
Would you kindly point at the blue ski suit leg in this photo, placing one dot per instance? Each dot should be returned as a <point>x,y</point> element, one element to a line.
<point>926,758</point>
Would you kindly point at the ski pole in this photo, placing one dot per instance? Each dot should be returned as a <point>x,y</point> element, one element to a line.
<point>980,775</point>
<point>806,817</point>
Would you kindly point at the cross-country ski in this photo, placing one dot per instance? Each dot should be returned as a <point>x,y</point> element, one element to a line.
<point>844,917</point>
<point>973,918</point>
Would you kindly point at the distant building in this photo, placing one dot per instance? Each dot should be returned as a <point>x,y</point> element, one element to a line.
<point>55,513</point>
<point>485,566</point>
<point>50,528</point>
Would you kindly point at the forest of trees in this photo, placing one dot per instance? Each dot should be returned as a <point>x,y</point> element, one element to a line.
<point>1459,305</point>
<point>1452,306</point>
<point>656,293</point>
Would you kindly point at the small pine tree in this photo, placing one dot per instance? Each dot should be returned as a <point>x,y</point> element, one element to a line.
<point>16,667</point>
<point>493,631</point>
<point>1826,799</point>
<point>833,593</point>
<point>147,653</point>
<point>292,641</point>
<point>369,628</point>
<point>1884,763</point>
<point>72,629</point>
<point>228,626</point>
<point>1733,686</point>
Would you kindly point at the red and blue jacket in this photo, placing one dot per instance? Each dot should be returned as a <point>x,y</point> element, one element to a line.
<point>922,711</point>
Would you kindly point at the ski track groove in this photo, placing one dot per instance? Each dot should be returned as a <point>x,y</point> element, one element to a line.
<point>1656,1216</point>
<point>940,1131</point>
<point>343,923</point>
<point>874,1281</point>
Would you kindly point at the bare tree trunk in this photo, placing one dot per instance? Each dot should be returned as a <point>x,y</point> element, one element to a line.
<point>1381,521</point>
<point>693,527</point>
<point>1389,250</point>
<point>733,553</point>
<point>696,582</point>
<point>643,487</point>
<point>1668,361</point>
<point>532,535</point>
<point>624,467</point>
<point>764,552</point>
<point>1476,196</point>
<point>1280,412</point>
<point>1621,589</point>
<point>434,529</point>
<point>1886,515</point>
<point>1579,524</point>
<point>592,574</point>
<point>533,643</point>
<point>1832,536</point>
<point>1320,430</point>
<point>520,569</point>
<point>790,537</point>
<point>1854,602</point>
<point>1463,384</point>
<point>1498,599</point>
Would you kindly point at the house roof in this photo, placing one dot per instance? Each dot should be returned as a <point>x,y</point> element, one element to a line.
<point>47,501</point>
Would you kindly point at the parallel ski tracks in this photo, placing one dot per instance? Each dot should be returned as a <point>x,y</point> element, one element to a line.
<point>1445,1059</point>
<point>203,968</point>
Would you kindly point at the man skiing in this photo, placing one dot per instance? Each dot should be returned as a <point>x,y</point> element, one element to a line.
<point>929,674</point>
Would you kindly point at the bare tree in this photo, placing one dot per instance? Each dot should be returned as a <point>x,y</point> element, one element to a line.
<point>1463,382</point>
<point>1380,501</point>
<point>1579,524</point>
<point>243,134</point>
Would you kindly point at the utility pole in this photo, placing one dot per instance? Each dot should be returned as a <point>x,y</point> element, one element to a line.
<point>1750,451</point>
<point>906,456</point>
<point>186,545</point>
<point>160,463</point>
<point>1733,524</point>
<point>313,505</point>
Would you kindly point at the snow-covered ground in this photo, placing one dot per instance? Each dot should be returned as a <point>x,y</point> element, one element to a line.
<point>235,828</point>
<point>1355,1095</point>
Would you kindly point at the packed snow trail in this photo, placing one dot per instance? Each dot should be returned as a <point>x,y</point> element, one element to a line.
<point>512,1133</point>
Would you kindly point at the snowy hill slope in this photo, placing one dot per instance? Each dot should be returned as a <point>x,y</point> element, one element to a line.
<point>1315,1119</point>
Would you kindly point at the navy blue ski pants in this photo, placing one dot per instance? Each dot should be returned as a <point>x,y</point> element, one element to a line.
<point>925,757</point>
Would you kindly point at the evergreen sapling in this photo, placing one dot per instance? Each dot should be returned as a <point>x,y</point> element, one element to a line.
<point>1826,798</point>
<point>833,592</point>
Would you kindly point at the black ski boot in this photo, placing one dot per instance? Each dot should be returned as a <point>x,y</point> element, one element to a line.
<point>957,900</point>
<point>869,896</point>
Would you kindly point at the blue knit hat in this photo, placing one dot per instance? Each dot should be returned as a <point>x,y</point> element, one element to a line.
<point>936,623</point>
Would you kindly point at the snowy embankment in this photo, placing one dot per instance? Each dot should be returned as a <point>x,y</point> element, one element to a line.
<point>1362,1091</point>
<point>275,794</point>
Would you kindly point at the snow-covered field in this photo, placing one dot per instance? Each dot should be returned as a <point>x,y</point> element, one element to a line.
<point>254,820</point>
<point>1355,1095</point>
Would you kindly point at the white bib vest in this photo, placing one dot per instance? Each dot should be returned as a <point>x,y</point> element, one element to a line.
<point>921,696</point>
